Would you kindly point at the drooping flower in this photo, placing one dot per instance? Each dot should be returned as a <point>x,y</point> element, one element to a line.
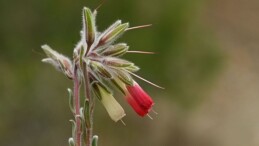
<point>139,100</point>
<point>113,108</point>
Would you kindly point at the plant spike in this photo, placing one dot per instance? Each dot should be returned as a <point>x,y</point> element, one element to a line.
<point>96,65</point>
<point>138,27</point>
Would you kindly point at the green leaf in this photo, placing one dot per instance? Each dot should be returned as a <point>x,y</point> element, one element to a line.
<point>95,140</point>
<point>71,141</point>
<point>73,128</point>
<point>71,102</point>
<point>86,112</point>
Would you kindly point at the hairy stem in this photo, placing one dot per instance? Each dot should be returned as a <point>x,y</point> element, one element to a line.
<point>77,107</point>
<point>89,125</point>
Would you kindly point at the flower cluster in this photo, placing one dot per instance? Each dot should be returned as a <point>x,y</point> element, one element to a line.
<point>97,55</point>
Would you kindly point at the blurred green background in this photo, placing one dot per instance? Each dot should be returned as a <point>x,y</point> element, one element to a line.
<point>207,59</point>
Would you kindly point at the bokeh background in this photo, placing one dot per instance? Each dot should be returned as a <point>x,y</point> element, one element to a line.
<point>207,59</point>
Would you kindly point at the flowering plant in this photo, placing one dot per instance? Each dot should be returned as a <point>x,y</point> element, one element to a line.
<point>97,66</point>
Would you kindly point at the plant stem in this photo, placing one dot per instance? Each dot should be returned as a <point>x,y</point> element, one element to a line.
<point>77,107</point>
<point>89,125</point>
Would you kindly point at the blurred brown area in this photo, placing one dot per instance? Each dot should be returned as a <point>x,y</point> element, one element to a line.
<point>229,115</point>
<point>206,58</point>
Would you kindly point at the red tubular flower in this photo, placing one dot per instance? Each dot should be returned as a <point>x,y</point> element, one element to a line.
<point>139,100</point>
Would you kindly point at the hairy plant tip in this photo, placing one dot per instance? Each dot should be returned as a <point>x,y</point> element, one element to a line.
<point>101,58</point>
<point>97,66</point>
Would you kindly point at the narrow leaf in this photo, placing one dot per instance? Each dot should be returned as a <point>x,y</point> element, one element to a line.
<point>95,140</point>
<point>71,141</point>
<point>73,128</point>
<point>71,103</point>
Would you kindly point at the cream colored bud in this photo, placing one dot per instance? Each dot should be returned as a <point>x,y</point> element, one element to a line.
<point>114,109</point>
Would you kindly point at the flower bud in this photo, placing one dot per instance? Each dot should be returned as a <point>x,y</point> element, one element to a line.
<point>102,70</point>
<point>113,32</point>
<point>132,68</point>
<point>113,108</point>
<point>124,77</point>
<point>116,50</point>
<point>54,63</point>
<point>50,52</point>
<point>60,62</point>
<point>66,66</point>
<point>139,100</point>
<point>116,62</point>
<point>89,29</point>
<point>114,25</point>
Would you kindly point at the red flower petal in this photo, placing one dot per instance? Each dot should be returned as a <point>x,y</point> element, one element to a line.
<point>139,100</point>
<point>140,111</point>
